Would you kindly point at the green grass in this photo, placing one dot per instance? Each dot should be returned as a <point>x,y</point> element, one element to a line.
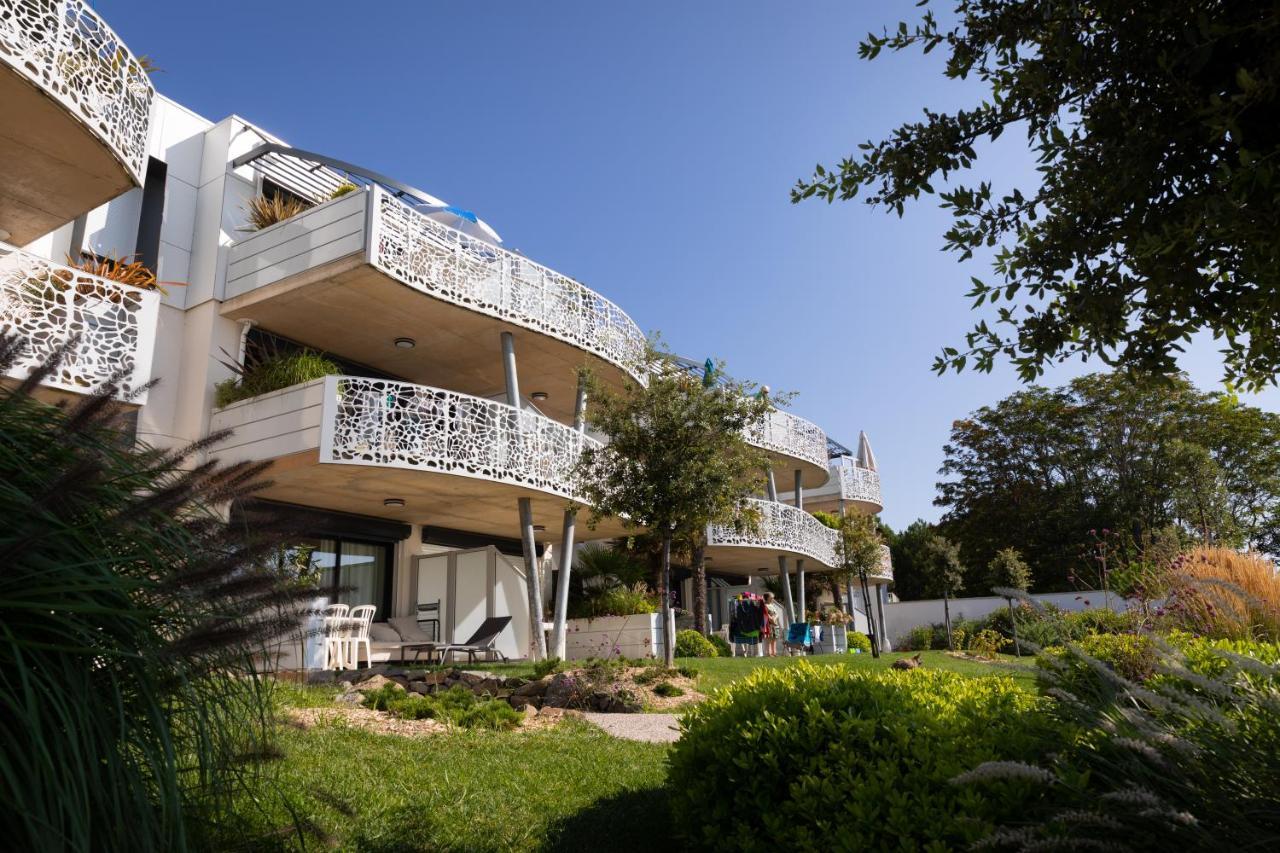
<point>568,788</point>
<point>715,673</point>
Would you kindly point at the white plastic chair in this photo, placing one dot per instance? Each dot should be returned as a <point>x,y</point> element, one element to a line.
<point>359,620</point>
<point>335,629</point>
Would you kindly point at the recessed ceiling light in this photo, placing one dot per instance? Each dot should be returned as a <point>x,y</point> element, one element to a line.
<point>539,396</point>
<point>405,343</point>
<point>393,502</point>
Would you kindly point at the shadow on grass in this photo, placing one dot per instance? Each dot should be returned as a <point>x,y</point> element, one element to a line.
<point>638,820</point>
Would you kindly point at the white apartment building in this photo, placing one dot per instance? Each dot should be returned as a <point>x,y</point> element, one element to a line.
<point>442,450</point>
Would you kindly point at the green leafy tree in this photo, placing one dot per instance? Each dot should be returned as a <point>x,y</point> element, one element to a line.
<point>1155,213</point>
<point>945,575</point>
<point>1007,569</point>
<point>677,458</point>
<point>908,550</point>
<point>859,554</point>
<point>1040,469</point>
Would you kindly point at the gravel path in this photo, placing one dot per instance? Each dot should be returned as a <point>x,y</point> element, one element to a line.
<point>651,728</point>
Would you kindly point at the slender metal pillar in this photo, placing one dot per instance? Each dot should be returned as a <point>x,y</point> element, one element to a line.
<point>509,367</point>
<point>786,588</point>
<point>799,490</point>
<point>800,588</point>
<point>849,598</point>
<point>884,629</point>
<point>561,613</point>
<point>771,486</point>
<point>532,582</point>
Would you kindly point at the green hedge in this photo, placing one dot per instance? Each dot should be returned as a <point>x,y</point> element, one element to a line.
<point>819,757</point>
<point>859,641</point>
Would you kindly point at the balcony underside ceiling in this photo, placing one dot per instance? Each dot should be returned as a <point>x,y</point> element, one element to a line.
<point>53,167</point>
<point>357,312</point>
<point>831,503</point>
<point>442,500</point>
<point>755,560</point>
<point>784,472</point>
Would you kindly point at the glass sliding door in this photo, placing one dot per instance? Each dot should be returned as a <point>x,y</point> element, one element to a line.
<point>356,572</point>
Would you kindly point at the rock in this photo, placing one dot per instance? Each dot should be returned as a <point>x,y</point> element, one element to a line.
<point>529,712</point>
<point>522,702</point>
<point>421,688</point>
<point>377,682</point>
<point>515,682</point>
<point>531,688</point>
<point>349,697</point>
<point>553,713</point>
<point>432,678</point>
<point>561,692</point>
<point>475,677</point>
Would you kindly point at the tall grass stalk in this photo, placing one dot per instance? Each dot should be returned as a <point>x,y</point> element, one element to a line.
<point>129,707</point>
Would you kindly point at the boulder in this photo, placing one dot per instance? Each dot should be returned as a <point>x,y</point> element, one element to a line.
<point>377,682</point>
<point>421,687</point>
<point>350,696</point>
<point>531,688</point>
<point>561,692</point>
<point>515,682</point>
<point>529,712</point>
<point>522,702</point>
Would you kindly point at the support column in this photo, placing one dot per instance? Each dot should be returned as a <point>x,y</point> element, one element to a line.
<point>786,588</point>
<point>533,583</point>
<point>561,612</point>
<point>798,492</point>
<point>771,486</point>
<point>800,589</point>
<point>884,629</point>
<point>509,368</point>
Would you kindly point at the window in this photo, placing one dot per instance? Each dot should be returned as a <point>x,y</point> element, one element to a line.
<point>355,572</point>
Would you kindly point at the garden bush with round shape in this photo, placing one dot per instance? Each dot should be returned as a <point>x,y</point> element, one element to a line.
<point>859,642</point>
<point>721,644</point>
<point>773,761</point>
<point>691,644</point>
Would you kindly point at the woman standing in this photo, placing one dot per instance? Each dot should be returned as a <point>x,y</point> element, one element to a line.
<point>773,625</point>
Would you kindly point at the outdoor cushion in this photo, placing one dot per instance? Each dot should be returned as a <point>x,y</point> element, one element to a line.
<point>381,632</point>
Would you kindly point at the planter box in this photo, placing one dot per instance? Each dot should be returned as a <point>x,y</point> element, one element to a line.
<point>638,636</point>
<point>834,640</point>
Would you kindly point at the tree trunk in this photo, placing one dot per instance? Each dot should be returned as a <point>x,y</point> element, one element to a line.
<point>700,588</point>
<point>668,638</point>
<point>1013,623</point>
<point>946,618</point>
<point>871,616</point>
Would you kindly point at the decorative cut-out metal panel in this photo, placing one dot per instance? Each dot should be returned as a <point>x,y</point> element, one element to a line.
<point>381,422</point>
<point>885,570</point>
<point>860,484</point>
<point>790,435</point>
<point>70,53</point>
<point>46,304</point>
<point>464,270</point>
<point>783,528</point>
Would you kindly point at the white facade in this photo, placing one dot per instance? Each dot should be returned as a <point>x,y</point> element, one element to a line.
<point>424,448</point>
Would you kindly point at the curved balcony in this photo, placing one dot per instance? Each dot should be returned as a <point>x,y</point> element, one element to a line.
<point>349,443</point>
<point>782,530</point>
<point>77,112</point>
<point>851,486</point>
<point>793,444</point>
<point>884,573</point>
<point>371,256</point>
<point>46,304</point>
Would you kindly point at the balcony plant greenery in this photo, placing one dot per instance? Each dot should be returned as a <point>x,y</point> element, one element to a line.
<point>343,189</point>
<point>131,614</point>
<point>272,373</point>
<point>264,211</point>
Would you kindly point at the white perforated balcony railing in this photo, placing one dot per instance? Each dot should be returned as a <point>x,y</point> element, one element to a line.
<point>860,484</point>
<point>46,304</point>
<point>401,425</point>
<point>66,50</point>
<point>453,266</point>
<point>790,435</point>
<point>782,528</point>
<point>885,570</point>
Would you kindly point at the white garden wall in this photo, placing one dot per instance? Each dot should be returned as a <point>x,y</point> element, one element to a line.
<point>638,636</point>
<point>902,616</point>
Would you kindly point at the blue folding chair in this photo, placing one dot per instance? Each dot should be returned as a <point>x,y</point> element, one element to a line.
<point>798,638</point>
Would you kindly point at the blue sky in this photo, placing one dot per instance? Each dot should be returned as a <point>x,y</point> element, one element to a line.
<point>647,150</point>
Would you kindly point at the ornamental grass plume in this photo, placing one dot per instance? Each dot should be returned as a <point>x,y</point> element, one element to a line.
<point>1225,594</point>
<point>130,710</point>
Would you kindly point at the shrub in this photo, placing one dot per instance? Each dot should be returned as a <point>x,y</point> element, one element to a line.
<point>264,212</point>
<point>548,666</point>
<point>811,757</point>
<point>456,706</point>
<point>919,639</point>
<point>130,614</point>
<point>667,689</point>
<point>654,673</point>
<point>342,189</point>
<point>859,642</point>
<point>691,644</point>
<point>1131,656</point>
<point>986,643</point>
<point>618,601</point>
<point>279,371</point>
<point>132,272</point>
<point>721,644</point>
<point>1190,760</point>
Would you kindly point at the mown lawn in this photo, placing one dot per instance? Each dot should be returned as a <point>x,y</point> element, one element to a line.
<point>568,788</point>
